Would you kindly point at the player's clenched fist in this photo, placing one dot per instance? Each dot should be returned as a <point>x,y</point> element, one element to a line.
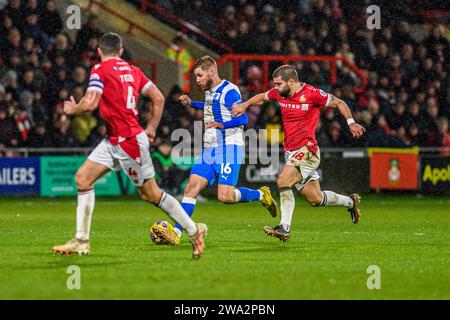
<point>356,130</point>
<point>239,109</point>
<point>185,100</point>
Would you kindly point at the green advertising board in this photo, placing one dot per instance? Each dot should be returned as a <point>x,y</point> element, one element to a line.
<point>58,178</point>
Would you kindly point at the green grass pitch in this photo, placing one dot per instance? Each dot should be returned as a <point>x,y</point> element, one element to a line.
<point>327,258</point>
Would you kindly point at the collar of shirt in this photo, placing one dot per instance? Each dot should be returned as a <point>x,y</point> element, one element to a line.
<point>216,87</point>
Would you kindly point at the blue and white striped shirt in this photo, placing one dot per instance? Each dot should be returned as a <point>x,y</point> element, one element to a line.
<point>217,107</point>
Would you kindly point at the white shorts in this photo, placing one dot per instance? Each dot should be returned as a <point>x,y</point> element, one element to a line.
<point>132,154</point>
<point>306,162</point>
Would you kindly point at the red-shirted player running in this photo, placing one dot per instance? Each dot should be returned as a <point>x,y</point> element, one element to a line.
<point>300,103</point>
<point>115,86</point>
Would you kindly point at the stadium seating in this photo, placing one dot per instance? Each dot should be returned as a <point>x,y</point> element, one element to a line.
<point>406,102</point>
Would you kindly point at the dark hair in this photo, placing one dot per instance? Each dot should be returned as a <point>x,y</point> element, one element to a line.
<point>286,72</point>
<point>110,43</point>
<point>205,62</point>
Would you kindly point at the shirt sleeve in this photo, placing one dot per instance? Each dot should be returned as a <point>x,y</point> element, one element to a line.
<point>320,98</point>
<point>144,82</point>
<point>242,120</point>
<point>198,105</point>
<point>272,94</point>
<point>232,97</point>
<point>96,80</point>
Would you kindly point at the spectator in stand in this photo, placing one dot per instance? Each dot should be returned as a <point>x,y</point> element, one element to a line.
<point>168,176</point>
<point>15,12</point>
<point>82,127</point>
<point>406,102</point>
<point>173,110</point>
<point>33,30</point>
<point>88,30</point>
<point>39,137</point>
<point>51,21</point>
<point>62,135</point>
<point>98,135</point>
<point>443,139</point>
<point>23,123</point>
<point>9,133</point>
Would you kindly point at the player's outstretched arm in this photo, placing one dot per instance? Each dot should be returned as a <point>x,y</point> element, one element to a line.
<point>157,109</point>
<point>241,108</point>
<point>356,130</point>
<point>187,102</point>
<point>88,103</point>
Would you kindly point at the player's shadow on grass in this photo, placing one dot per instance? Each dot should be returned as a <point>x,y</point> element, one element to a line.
<point>81,264</point>
<point>275,247</point>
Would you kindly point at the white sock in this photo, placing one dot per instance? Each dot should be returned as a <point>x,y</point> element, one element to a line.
<point>237,195</point>
<point>174,209</point>
<point>261,195</point>
<point>331,199</point>
<point>85,208</point>
<point>287,201</point>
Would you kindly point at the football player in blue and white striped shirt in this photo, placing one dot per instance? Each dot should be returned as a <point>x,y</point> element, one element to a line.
<point>223,146</point>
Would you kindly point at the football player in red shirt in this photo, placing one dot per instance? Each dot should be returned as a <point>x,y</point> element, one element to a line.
<point>300,106</point>
<point>114,87</point>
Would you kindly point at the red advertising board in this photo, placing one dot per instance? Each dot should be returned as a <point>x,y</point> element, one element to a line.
<point>394,169</point>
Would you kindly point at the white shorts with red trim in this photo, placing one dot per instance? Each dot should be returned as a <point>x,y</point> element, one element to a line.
<point>306,163</point>
<point>132,154</point>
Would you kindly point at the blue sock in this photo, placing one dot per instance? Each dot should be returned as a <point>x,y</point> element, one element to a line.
<point>247,194</point>
<point>188,205</point>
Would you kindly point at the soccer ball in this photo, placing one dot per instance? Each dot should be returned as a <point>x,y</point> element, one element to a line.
<point>161,224</point>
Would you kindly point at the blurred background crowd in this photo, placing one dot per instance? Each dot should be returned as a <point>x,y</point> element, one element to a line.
<point>406,102</point>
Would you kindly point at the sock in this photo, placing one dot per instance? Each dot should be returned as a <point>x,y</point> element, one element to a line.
<point>287,201</point>
<point>247,195</point>
<point>173,208</point>
<point>188,205</point>
<point>330,199</point>
<point>85,208</point>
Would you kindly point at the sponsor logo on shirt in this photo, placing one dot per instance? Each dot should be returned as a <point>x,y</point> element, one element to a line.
<point>303,106</point>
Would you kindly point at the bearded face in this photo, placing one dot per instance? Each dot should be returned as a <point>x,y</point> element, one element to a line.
<point>203,78</point>
<point>284,91</point>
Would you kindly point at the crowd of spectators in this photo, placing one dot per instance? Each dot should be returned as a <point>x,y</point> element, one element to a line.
<point>407,100</point>
<point>40,68</point>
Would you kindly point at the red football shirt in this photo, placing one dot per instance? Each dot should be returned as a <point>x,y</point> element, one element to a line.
<point>119,83</point>
<point>300,114</point>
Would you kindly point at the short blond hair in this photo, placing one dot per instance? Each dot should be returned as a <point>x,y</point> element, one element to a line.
<point>205,62</point>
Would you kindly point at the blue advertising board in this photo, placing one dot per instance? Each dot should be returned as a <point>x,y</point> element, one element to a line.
<point>20,176</point>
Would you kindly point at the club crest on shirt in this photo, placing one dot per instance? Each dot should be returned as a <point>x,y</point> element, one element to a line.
<point>302,98</point>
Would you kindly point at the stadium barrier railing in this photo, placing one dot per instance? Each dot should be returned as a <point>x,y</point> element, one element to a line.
<point>131,25</point>
<point>237,59</point>
<point>436,16</point>
<point>183,25</point>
